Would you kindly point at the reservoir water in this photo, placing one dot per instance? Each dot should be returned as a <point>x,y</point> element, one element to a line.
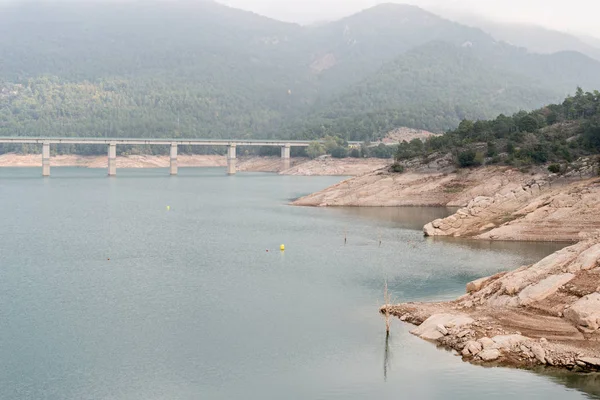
<point>105,293</point>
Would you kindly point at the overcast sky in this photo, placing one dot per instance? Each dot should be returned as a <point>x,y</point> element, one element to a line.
<point>580,16</point>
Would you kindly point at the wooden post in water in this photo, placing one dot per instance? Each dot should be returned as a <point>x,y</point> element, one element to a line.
<point>386,299</point>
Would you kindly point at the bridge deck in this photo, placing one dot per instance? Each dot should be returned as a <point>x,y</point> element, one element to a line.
<point>166,141</point>
<point>190,142</point>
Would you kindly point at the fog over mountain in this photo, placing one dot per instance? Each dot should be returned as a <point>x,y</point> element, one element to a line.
<point>573,16</point>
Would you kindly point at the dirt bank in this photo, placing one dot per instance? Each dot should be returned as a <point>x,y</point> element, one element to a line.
<point>337,167</point>
<point>298,166</point>
<point>133,161</point>
<point>266,164</point>
<point>544,314</point>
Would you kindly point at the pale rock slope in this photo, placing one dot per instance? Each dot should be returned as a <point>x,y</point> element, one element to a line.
<point>535,211</point>
<point>547,313</point>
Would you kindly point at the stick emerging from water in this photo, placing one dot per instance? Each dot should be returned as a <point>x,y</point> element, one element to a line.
<point>386,299</point>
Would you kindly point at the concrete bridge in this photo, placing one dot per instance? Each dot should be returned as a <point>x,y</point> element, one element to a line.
<point>231,145</point>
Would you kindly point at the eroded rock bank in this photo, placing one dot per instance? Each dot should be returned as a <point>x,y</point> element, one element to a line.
<point>538,210</point>
<point>428,186</point>
<point>544,314</point>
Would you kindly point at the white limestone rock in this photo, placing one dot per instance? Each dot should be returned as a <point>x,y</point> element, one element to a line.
<point>489,354</point>
<point>585,312</point>
<point>543,289</point>
<point>472,348</point>
<point>508,341</point>
<point>429,328</point>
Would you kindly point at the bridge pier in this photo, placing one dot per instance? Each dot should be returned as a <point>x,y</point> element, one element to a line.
<point>231,159</point>
<point>285,156</point>
<point>46,159</point>
<point>174,168</point>
<point>112,159</point>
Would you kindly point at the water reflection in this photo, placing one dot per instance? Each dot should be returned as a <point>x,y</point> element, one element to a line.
<point>534,250</point>
<point>402,217</point>
<point>387,357</point>
<point>586,383</point>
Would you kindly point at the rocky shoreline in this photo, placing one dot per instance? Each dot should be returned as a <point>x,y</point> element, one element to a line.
<point>496,203</point>
<point>539,210</point>
<point>544,314</point>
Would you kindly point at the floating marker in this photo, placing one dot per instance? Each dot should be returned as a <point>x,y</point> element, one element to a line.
<point>168,208</point>
<point>282,247</point>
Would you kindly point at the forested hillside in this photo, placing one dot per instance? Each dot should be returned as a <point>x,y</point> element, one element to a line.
<point>200,69</point>
<point>432,87</point>
<point>558,133</point>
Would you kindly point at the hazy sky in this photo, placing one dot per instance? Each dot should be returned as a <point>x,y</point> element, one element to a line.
<point>573,15</point>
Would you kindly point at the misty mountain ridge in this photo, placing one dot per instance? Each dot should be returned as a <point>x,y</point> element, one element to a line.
<point>208,70</point>
<point>535,38</point>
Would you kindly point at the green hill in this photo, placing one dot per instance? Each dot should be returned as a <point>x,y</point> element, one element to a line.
<point>558,133</point>
<point>432,87</point>
<point>201,69</point>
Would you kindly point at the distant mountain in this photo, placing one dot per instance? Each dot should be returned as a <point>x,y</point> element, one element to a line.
<point>590,40</point>
<point>201,69</point>
<point>534,38</point>
<point>357,46</point>
<point>154,68</point>
<point>433,87</point>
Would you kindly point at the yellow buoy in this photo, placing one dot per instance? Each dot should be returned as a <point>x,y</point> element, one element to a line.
<point>168,208</point>
<point>282,247</point>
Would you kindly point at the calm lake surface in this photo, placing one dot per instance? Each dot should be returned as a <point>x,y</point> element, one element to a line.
<point>106,294</point>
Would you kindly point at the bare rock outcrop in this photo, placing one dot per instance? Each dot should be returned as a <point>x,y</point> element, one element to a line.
<point>487,212</point>
<point>430,185</point>
<point>536,211</point>
<point>544,314</point>
<point>585,312</point>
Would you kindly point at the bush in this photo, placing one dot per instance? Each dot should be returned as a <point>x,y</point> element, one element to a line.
<point>528,124</point>
<point>382,151</point>
<point>339,152</point>
<point>554,168</point>
<point>540,154</point>
<point>468,159</point>
<point>491,149</point>
<point>315,149</point>
<point>354,153</point>
<point>397,168</point>
<point>510,148</point>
